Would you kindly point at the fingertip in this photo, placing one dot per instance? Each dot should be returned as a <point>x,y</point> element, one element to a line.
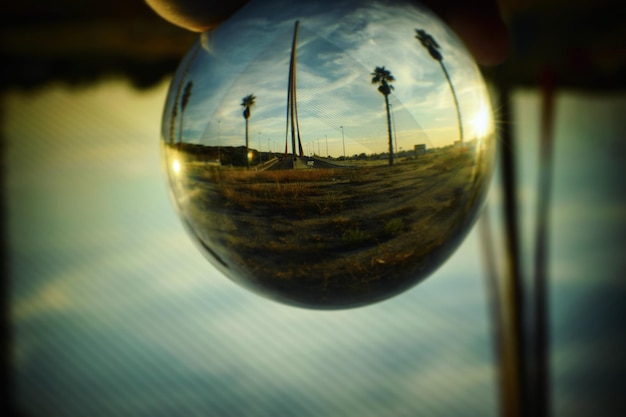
<point>484,34</point>
<point>195,15</point>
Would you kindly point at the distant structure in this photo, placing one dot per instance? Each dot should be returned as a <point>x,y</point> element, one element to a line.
<point>420,149</point>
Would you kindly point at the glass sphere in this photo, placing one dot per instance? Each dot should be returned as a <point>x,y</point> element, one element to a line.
<point>328,154</point>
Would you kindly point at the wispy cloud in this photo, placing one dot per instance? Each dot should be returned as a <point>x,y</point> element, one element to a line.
<point>336,54</point>
<point>117,313</point>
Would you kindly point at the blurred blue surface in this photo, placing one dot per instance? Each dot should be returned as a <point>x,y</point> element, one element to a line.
<point>116,313</point>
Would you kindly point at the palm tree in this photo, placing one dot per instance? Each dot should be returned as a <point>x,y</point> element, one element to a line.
<point>179,91</point>
<point>383,77</point>
<point>431,44</point>
<point>174,117</point>
<point>183,105</point>
<point>247,102</point>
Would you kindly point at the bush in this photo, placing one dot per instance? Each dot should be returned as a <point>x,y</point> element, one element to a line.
<point>394,226</point>
<point>354,236</point>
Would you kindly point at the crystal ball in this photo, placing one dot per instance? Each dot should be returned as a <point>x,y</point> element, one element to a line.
<point>328,154</point>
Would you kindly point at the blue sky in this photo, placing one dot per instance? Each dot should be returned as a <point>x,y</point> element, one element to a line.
<point>117,313</point>
<point>339,45</point>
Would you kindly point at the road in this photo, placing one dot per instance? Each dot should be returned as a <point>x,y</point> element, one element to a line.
<point>301,163</point>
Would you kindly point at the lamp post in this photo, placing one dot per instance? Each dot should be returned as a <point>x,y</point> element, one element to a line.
<point>326,136</point>
<point>343,139</point>
<point>219,156</point>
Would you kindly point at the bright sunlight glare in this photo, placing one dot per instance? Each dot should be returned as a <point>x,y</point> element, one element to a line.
<point>176,166</point>
<point>481,122</point>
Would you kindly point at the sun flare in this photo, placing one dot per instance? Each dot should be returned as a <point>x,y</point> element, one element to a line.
<point>176,166</point>
<point>481,122</point>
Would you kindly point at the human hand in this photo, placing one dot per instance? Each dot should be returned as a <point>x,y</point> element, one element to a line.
<point>477,22</point>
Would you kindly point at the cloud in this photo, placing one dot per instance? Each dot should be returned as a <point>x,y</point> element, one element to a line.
<point>116,311</point>
<point>336,54</point>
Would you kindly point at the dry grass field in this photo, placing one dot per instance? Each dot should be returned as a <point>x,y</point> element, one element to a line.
<point>333,237</point>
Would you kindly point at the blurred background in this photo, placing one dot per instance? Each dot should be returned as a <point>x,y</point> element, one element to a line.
<point>111,311</point>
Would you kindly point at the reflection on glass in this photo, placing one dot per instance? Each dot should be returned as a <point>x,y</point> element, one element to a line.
<point>297,179</point>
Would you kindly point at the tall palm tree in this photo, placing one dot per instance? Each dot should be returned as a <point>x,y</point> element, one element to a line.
<point>183,105</point>
<point>174,117</point>
<point>432,46</point>
<point>382,77</point>
<point>179,92</point>
<point>247,102</point>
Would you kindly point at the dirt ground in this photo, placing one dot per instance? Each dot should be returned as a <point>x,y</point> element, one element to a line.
<point>334,237</point>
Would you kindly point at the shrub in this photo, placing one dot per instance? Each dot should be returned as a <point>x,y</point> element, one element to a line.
<point>394,226</point>
<point>354,236</point>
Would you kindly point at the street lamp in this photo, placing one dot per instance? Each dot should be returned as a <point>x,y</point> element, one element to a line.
<point>343,139</point>
<point>326,136</point>
<point>219,156</point>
